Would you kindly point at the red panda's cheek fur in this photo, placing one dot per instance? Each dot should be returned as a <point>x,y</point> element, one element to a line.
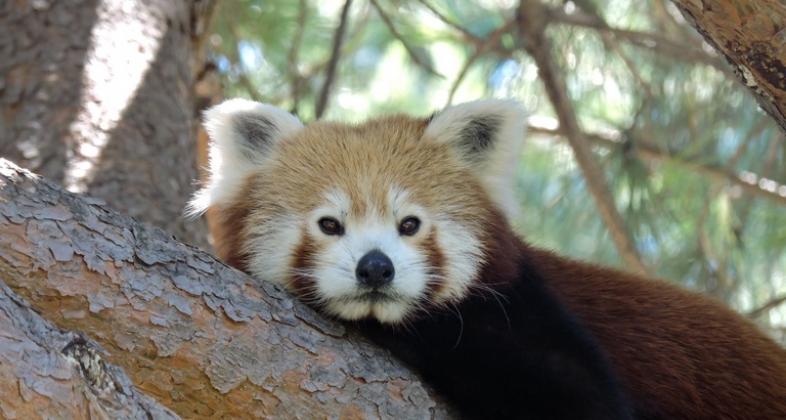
<point>501,250</point>
<point>436,262</point>
<point>303,261</point>
<point>228,230</point>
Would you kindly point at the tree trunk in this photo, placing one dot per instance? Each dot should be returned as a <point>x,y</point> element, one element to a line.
<point>201,338</point>
<point>49,373</point>
<point>751,34</point>
<point>97,95</point>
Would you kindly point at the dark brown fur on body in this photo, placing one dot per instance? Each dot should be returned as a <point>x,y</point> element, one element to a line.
<point>678,354</point>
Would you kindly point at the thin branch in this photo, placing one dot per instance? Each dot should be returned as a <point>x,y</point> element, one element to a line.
<point>248,85</point>
<point>531,22</point>
<point>480,49</point>
<point>757,129</point>
<point>611,43</point>
<point>748,182</point>
<point>296,79</point>
<point>447,21</point>
<point>242,77</point>
<point>338,39</point>
<point>409,48</point>
<point>766,170</point>
<point>770,304</point>
<point>652,41</point>
<point>723,284</point>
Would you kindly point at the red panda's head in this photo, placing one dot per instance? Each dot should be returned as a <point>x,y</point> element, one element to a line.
<point>378,219</point>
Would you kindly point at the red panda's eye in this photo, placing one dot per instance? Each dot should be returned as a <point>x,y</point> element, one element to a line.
<point>409,226</point>
<point>330,226</point>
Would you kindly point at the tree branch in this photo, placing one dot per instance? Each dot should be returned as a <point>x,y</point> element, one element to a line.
<point>611,43</point>
<point>338,41</point>
<point>396,34</point>
<point>772,303</point>
<point>748,182</point>
<point>49,373</point>
<point>749,33</point>
<point>202,338</point>
<point>647,40</point>
<point>480,48</point>
<point>295,78</point>
<point>532,27</point>
<point>469,36</point>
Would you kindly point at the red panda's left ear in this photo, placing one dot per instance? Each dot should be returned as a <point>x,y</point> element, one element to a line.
<point>242,135</point>
<point>487,135</point>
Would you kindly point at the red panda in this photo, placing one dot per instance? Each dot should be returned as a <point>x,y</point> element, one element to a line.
<point>399,225</point>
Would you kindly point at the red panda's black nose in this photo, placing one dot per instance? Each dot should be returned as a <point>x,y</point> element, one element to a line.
<point>375,269</point>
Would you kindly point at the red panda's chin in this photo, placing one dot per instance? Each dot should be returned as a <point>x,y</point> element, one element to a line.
<point>388,311</point>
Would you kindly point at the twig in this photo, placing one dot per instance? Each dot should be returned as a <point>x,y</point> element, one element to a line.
<point>648,40</point>
<point>296,79</point>
<point>480,49</point>
<point>611,44</point>
<point>242,77</point>
<point>723,285</point>
<point>338,39</point>
<point>748,182</point>
<point>747,205</point>
<point>248,85</point>
<point>396,34</point>
<point>532,27</point>
<point>464,31</point>
<point>757,129</point>
<point>770,304</point>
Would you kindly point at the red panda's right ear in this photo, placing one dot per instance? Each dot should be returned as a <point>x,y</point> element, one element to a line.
<point>242,135</point>
<point>487,136</point>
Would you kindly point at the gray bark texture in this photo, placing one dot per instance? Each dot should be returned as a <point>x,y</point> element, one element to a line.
<point>49,373</point>
<point>97,96</point>
<point>201,338</point>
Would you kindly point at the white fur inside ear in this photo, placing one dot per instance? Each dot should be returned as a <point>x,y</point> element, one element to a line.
<point>494,160</point>
<point>231,159</point>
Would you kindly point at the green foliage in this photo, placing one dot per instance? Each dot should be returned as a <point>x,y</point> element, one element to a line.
<point>689,222</point>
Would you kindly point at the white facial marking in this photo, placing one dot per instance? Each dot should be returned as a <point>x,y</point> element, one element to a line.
<point>463,256</point>
<point>272,248</point>
<point>334,267</point>
<point>335,261</point>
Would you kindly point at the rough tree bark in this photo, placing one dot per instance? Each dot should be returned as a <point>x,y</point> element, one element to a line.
<point>97,95</point>
<point>752,36</point>
<point>198,336</point>
<point>49,373</point>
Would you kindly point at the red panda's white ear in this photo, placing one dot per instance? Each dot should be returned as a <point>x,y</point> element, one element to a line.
<point>242,135</point>
<point>487,135</point>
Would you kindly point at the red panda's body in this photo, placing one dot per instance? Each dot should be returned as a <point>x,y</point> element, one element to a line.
<point>403,222</point>
<point>680,355</point>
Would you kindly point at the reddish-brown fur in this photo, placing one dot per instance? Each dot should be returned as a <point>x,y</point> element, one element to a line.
<point>436,262</point>
<point>688,355</point>
<point>225,227</point>
<point>302,260</point>
<point>680,355</point>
